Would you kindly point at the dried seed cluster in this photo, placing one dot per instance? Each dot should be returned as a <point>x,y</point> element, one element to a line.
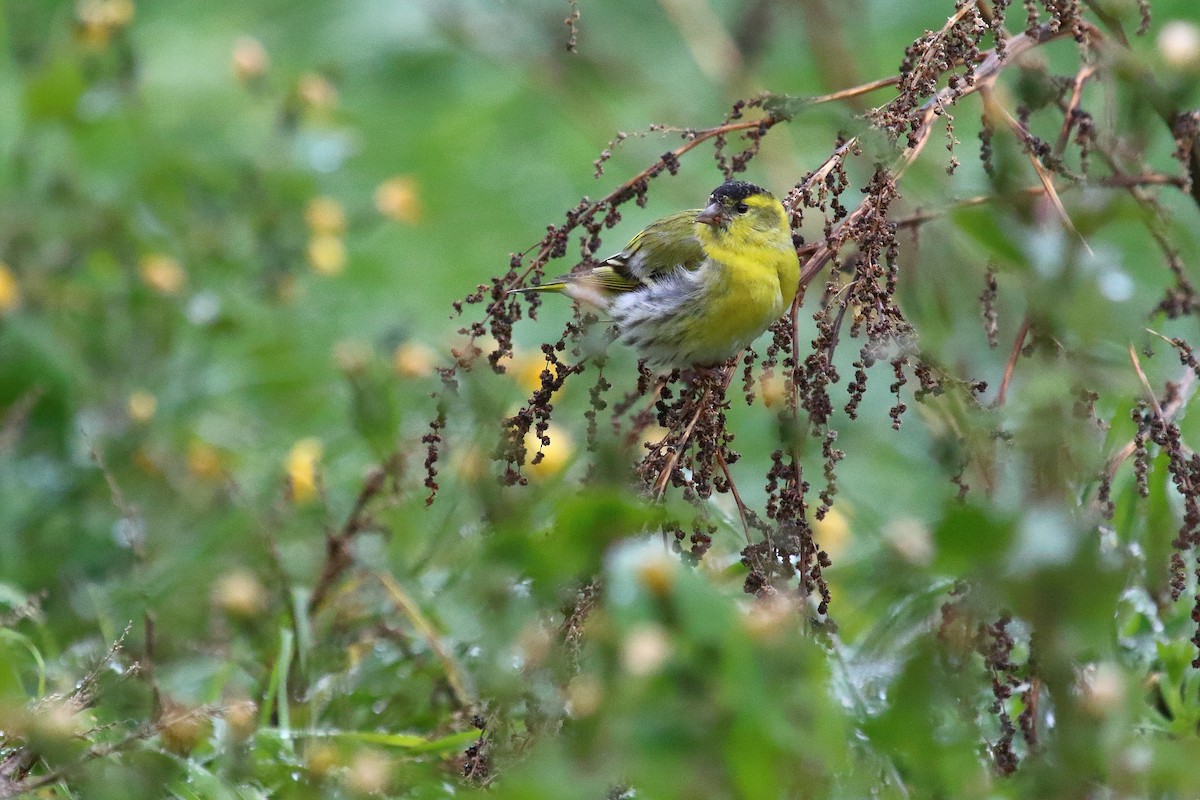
<point>996,644</point>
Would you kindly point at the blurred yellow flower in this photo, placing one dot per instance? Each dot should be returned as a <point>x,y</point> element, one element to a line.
<point>768,617</point>
<point>654,434</point>
<point>10,290</point>
<point>146,461</point>
<point>534,644</point>
<point>555,455</point>
<point>239,594</point>
<point>833,532</point>
<point>658,572</point>
<point>465,353</point>
<point>1179,44</point>
<point>113,13</point>
<point>645,650</point>
<point>50,722</point>
<point>317,92</point>
<point>469,464</point>
<point>325,215</point>
<point>1103,687</point>
<point>585,693</point>
<point>320,759</point>
<point>911,539</point>
<point>203,460</point>
<point>302,469</point>
<point>413,359</point>
<point>141,406</point>
<point>397,198</point>
<point>773,390</point>
<point>286,288</point>
<point>99,19</point>
<point>327,254</point>
<point>369,772</point>
<point>526,369</point>
<point>242,717</point>
<point>250,59</point>
<point>162,273</point>
<point>181,727</point>
<point>352,356</point>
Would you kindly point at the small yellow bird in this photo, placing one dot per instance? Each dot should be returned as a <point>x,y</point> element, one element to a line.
<point>697,287</point>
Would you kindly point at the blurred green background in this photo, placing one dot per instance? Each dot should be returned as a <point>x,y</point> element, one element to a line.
<point>230,236</point>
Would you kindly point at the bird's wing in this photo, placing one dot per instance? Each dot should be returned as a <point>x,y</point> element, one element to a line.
<point>661,248</point>
<point>595,283</point>
<point>606,277</point>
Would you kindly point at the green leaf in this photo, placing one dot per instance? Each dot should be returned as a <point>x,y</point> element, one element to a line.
<point>12,639</point>
<point>970,539</point>
<point>982,223</point>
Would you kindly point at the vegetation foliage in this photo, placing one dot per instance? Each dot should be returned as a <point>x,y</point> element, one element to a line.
<point>272,526</point>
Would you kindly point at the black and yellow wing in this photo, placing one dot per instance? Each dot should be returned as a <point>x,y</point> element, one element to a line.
<point>664,246</point>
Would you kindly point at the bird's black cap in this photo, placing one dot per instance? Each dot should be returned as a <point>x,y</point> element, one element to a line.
<point>735,192</point>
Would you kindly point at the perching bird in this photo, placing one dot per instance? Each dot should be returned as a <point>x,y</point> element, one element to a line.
<point>697,287</point>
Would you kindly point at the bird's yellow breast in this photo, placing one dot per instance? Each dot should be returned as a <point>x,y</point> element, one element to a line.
<point>753,282</point>
<point>745,291</point>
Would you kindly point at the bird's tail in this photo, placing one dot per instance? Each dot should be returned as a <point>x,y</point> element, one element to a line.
<point>553,286</point>
<point>586,290</point>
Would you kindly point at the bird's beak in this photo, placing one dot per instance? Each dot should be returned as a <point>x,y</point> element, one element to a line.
<point>713,215</point>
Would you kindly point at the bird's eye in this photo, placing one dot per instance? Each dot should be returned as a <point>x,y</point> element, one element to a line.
<point>742,208</point>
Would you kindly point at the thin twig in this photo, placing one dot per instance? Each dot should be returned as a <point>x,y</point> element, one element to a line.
<point>737,498</point>
<point>130,513</point>
<point>1143,179</point>
<point>635,430</point>
<point>337,545</point>
<point>1137,367</point>
<point>664,477</point>
<point>1011,365</point>
<point>410,609</point>
<point>16,417</point>
<point>853,91</point>
<point>1153,216</point>
<point>1043,174</point>
<point>1117,181</point>
<point>1064,136</point>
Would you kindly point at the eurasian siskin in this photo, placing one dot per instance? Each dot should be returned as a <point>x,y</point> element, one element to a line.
<point>697,287</point>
